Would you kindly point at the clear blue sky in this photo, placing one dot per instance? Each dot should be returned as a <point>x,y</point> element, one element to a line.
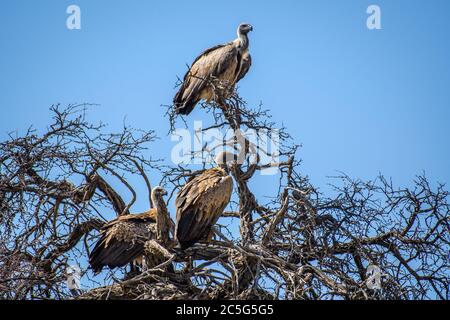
<point>359,101</point>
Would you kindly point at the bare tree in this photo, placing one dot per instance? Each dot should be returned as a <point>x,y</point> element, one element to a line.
<point>53,195</point>
<point>297,243</point>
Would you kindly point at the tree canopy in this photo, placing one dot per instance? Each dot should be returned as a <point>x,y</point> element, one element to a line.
<point>297,243</point>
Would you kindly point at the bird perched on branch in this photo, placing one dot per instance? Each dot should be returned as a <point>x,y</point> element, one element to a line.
<point>227,63</point>
<point>122,240</point>
<point>202,200</point>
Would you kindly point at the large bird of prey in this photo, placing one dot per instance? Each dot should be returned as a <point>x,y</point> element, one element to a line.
<point>122,240</point>
<point>228,63</point>
<point>201,202</point>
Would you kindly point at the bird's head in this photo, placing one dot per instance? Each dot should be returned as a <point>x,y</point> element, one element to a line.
<point>159,192</point>
<point>244,28</point>
<point>225,159</point>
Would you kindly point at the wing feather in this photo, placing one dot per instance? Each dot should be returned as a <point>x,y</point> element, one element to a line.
<point>200,203</point>
<point>122,240</point>
<point>211,63</point>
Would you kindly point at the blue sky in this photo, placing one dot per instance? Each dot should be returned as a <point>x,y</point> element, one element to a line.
<point>359,101</point>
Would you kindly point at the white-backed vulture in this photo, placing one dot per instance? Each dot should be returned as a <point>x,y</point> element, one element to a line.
<point>122,239</point>
<point>201,202</point>
<point>227,62</point>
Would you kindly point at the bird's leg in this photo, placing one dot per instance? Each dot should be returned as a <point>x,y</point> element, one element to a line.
<point>134,270</point>
<point>209,236</point>
<point>221,103</point>
<point>189,265</point>
<point>144,266</point>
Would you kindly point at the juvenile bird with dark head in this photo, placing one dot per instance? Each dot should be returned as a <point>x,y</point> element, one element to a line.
<point>122,240</point>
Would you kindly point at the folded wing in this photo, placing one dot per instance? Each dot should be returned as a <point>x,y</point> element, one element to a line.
<point>219,62</point>
<point>122,240</point>
<point>200,203</point>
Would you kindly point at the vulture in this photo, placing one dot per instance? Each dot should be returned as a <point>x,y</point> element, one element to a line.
<point>201,201</point>
<point>122,240</point>
<point>228,63</point>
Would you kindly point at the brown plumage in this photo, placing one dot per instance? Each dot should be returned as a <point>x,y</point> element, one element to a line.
<point>227,62</point>
<point>122,239</point>
<point>200,203</point>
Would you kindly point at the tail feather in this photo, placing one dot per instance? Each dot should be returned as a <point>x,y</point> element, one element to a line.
<point>185,108</point>
<point>188,230</point>
<point>186,105</point>
<point>116,254</point>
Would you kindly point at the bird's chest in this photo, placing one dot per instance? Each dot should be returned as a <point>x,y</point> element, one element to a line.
<point>245,58</point>
<point>234,69</point>
<point>230,73</point>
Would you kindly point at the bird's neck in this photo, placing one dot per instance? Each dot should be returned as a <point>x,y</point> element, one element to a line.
<point>162,220</point>
<point>242,41</point>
